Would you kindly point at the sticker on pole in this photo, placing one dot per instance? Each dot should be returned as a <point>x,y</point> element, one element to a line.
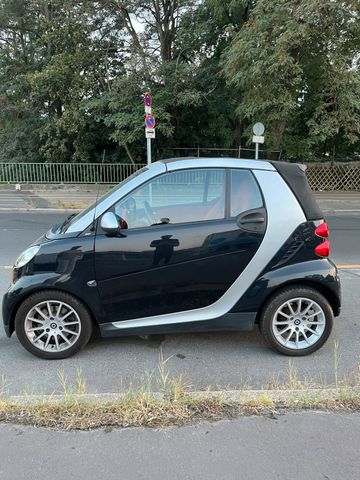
<point>150,132</point>
<point>150,121</point>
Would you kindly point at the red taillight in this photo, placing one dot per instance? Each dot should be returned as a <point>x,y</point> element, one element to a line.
<point>323,249</point>
<point>322,230</point>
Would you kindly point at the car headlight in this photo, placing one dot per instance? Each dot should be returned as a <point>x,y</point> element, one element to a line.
<point>26,256</point>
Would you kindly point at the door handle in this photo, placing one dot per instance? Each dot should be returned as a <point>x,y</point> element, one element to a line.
<point>252,221</point>
<point>252,218</point>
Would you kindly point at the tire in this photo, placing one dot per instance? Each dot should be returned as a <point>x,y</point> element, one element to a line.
<point>296,321</point>
<point>56,333</point>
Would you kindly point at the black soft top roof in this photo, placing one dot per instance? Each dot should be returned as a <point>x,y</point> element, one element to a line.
<point>294,175</point>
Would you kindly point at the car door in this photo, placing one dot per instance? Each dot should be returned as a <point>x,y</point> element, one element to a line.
<point>186,237</point>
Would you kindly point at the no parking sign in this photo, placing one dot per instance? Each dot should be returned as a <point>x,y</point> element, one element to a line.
<point>150,121</point>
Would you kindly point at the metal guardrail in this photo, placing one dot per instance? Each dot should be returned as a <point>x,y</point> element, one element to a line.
<point>66,172</point>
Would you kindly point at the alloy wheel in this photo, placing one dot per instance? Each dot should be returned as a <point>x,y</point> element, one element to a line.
<point>298,323</point>
<point>52,326</point>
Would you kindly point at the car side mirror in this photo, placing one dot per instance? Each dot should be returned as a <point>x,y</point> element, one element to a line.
<point>109,223</point>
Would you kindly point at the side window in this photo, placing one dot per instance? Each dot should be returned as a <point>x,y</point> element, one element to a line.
<point>245,193</point>
<point>185,196</point>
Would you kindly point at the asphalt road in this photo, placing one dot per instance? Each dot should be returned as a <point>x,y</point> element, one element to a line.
<point>225,360</point>
<point>295,446</point>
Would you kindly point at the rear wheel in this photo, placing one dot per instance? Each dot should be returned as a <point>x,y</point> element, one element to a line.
<point>296,321</point>
<point>53,324</point>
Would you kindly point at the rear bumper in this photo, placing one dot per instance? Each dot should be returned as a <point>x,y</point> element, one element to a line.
<point>334,285</point>
<point>337,295</point>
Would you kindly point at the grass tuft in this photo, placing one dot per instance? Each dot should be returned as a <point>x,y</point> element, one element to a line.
<point>70,205</point>
<point>337,356</point>
<point>4,386</point>
<point>141,410</point>
<point>147,410</point>
<point>174,403</point>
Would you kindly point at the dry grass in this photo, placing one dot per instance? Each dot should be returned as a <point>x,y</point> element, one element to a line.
<point>140,410</point>
<point>70,205</point>
<point>146,410</point>
<point>174,404</point>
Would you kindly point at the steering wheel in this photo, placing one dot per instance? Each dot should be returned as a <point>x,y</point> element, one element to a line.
<point>149,213</point>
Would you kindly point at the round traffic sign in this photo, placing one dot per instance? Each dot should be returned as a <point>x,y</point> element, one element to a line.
<point>258,129</point>
<point>147,99</point>
<point>150,121</point>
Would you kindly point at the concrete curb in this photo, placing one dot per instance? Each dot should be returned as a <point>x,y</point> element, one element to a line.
<point>238,396</point>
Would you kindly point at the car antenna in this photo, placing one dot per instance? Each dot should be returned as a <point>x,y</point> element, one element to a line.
<point>97,194</point>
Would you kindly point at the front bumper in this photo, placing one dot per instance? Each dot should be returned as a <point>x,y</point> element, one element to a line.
<point>7,330</point>
<point>7,307</point>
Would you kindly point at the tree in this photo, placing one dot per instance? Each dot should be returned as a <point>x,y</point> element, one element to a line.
<point>296,66</point>
<point>72,74</point>
<point>54,56</point>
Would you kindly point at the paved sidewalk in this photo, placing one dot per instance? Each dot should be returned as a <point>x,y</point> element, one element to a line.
<point>65,199</point>
<point>79,197</point>
<point>333,202</point>
<point>294,446</point>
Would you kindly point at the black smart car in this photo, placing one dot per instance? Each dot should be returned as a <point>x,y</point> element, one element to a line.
<point>184,245</point>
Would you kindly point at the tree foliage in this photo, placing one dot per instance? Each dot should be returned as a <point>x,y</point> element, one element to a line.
<point>297,66</point>
<point>72,74</point>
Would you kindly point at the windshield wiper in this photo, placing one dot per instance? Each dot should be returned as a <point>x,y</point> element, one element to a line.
<point>66,222</point>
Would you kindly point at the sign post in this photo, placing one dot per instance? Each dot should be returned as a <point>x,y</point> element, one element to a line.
<point>149,124</point>
<point>258,137</point>
<point>148,150</point>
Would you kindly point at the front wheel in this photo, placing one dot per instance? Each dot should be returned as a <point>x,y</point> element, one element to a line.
<point>53,324</point>
<point>296,321</point>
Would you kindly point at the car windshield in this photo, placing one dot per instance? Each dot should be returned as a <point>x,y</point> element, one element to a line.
<point>74,218</point>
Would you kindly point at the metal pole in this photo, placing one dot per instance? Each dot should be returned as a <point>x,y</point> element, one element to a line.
<point>256,151</point>
<point>148,142</point>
